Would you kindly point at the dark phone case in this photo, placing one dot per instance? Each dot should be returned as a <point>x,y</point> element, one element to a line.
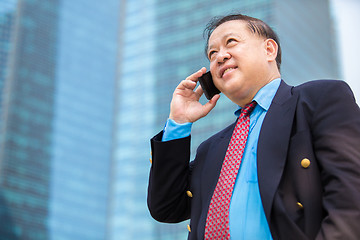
<point>208,86</point>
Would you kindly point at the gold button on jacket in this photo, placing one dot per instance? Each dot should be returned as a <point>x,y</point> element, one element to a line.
<point>300,205</point>
<point>189,194</point>
<point>189,228</point>
<point>305,163</point>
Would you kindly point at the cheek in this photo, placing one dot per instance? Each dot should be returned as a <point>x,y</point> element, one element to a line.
<point>212,66</point>
<point>213,70</point>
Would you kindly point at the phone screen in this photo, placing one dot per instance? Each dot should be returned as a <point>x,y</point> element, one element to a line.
<point>208,86</point>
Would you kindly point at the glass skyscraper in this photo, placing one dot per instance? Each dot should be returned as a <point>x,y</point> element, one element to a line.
<point>308,40</point>
<point>59,66</point>
<point>84,108</point>
<point>162,43</point>
<point>136,104</point>
<point>7,22</point>
<point>26,122</point>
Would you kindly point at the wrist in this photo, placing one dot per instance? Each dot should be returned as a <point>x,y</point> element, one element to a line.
<point>173,130</point>
<point>179,120</point>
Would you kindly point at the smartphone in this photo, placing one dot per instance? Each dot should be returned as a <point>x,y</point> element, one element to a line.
<point>208,86</point>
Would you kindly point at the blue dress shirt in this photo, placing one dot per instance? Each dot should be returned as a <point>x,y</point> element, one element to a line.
<point>246,215</point>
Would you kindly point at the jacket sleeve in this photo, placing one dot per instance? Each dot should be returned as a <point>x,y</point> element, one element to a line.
<point>336,139</point>
<point>169,180</point>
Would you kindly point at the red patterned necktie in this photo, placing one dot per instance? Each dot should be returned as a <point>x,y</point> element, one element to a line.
<point>217,221</point>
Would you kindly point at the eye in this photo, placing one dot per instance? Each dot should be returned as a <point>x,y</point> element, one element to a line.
<point>211,54</point>
<point>230,40</point>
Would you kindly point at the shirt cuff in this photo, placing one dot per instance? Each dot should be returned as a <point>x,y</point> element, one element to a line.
<point>174,130</point>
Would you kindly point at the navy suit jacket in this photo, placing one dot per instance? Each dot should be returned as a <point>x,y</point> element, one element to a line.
<point>318,121</point>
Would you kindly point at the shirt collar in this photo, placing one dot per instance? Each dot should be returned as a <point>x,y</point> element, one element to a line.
<point>265,95</point>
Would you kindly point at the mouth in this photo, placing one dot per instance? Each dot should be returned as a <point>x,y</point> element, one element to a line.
<point>225,70</point>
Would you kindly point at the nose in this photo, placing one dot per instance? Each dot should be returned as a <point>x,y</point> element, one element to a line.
<point>223,55</point>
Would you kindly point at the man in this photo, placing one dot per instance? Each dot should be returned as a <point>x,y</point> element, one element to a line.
<point>289,168</point>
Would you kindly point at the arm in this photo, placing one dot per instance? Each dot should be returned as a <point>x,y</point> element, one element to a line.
<point>336,133</point>
<point>174,130</point>
<point>170,171</point>
<point>168,180</point>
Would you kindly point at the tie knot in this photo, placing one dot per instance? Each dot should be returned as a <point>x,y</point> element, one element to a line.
<point>248,108</point>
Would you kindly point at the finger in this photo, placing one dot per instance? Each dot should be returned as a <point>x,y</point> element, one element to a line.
<point>187,84</point>
<point>211,104</point>
<point>194,77</point>
<point>214,99</point>
<point>199,91</point>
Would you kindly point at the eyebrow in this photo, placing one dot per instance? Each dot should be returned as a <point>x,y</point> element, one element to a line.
<point>225,36</point>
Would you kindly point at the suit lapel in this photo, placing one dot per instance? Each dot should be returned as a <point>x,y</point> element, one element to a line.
<point>215,158</point>
<point>273,144</point>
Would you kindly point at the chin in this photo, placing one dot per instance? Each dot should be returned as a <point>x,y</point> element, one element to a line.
<point>231,86</point>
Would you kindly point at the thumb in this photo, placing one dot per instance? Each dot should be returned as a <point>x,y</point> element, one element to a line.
<point>211,104</point>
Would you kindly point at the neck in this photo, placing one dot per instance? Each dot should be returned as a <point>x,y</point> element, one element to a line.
<point>249,96</point>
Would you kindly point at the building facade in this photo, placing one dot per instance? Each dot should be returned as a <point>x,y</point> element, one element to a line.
<point>26,121</point>
<point>58,65</point>
<point>82,128</point>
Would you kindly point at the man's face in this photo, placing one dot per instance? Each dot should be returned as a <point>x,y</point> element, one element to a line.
<point>238,61</point>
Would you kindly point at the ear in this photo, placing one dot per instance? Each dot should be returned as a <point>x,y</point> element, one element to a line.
<point>271,48</point>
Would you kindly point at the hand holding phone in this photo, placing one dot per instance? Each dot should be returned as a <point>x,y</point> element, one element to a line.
<point>185,106</point>
<point>208,86</point>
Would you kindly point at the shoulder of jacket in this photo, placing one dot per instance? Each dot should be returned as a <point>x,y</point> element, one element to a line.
<point>317,88</point>
<point>322,83</point>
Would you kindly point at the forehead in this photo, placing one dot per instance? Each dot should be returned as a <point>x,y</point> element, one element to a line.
<point>233,27</point>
